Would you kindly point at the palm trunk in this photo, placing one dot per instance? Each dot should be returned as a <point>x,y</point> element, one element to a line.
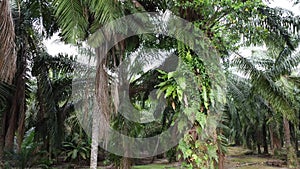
<point>20,95</point>
<point>221,157</point>
<point>258,148</point>
<point>10,133</point>
<point>258,135</point>
<point>125,163</point>
<point>2,134</point>
<point>95,140</point>
<point>221,154</point>
<point>291,154</point>
<point>1,144</point>
<point>275,138</point>
<point>264,133</point>
<point>7,58</point>
<point>17,112</point>
<point>101,112</point>
<point>7,48</point>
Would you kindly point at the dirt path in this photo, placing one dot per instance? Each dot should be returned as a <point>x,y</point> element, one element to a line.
<point>240,158</point>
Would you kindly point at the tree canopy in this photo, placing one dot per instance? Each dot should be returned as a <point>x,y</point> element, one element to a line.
<point>261,104</point>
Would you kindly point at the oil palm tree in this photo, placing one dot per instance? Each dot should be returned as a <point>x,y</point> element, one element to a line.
<point>24,47</point>
<point>54,80</point>
<point>247,115</point>
<point>78,19</point>
<point>7,62</point>
<point>268,77</point>
<point>224,22</point>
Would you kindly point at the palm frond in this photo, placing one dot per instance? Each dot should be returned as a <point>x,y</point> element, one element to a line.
<point>6,92</point>
<point>73,19</point>
<point>265,86</point>
<point>270,26</point>
<point>238,88</point>
<point>285,63</point>
<point>42,13</point>
<point>294,80</point>
<point>103,11</point>
<point>246,67</point>
<point>281,24</point>
<point>275,95</point>
<point>8,55</point>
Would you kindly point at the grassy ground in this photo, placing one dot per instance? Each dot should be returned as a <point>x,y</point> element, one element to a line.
<point>154,166</point>
<point>240,158</point>
<point>236,158</point>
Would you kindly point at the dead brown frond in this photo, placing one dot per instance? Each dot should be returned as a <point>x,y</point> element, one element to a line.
<point>7,45</point>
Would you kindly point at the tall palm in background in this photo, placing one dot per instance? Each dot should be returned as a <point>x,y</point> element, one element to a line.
<point>269,79</point>
<point>78,19</point>
<point>223,22</point>
<point>26,46</point>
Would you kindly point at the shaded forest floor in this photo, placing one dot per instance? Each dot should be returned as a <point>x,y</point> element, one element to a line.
<point>236,158</point>
<point>241,158</point>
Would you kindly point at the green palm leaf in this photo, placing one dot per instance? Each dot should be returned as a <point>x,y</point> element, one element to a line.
<point>73,19</point>
<point>266,85</point>
<point>285,63</point>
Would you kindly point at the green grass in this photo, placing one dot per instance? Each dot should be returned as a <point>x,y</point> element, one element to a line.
<point>152,166</point>
<point>237,151</point>
<point>247,159</point>
<point>258,167</point>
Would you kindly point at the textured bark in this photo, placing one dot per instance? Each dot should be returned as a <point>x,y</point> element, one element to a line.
<point>7,47</point>
<point>221,157</point>
<point>7,65</point>
<point>125,163</point>
<point>221,160</point>
<point>1,145</point>
<point>2,134</point>
<point>16,121</point>
<point>258,135</point>
<point>21,97</point>
<point>258,149</point>
<point>101,114</point>
<point>10,133</point>
<point>221,154</point>
<point>264,133</point>
<point>291,154</point>
<point>95,137</point>
<point>275,139</point>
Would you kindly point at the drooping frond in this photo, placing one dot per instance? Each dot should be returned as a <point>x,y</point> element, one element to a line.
<point>41,12</point>
<point>8,55</point>
<point>265,86</point>
<point>79,18</point>
<point>238,88</point>
<point>54,75</point>
<point>270,26</point>
<point>294,80</point>
<point>73,19</point>
<point>281,24</point>
<point>286,62</point>
<point>246,67</point>
<point>6,92</point>
<point>103,11</point>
